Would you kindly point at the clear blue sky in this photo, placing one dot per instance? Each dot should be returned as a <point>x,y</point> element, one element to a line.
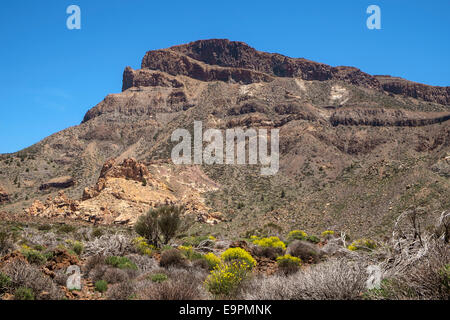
<point>50,76</point>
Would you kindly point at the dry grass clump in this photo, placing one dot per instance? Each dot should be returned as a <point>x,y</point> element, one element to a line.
<point>172,258</point>
<point>336,279</point>
<point>180,285</point>
<point>24,275</point>
<point>121,291</point>
<point>109,245</point>
<point>304,250</point>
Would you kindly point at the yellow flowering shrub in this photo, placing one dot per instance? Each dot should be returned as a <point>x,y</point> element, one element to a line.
<point>327,233</point>
<point>363,244</point>
<point>288,259</point>
<point>32,255</point>
<point>238,254</point>
<point>225,278</point>
<point>272,242</point>
<point>212,260</point>
<point>297,235</point>
<point>143,247</point>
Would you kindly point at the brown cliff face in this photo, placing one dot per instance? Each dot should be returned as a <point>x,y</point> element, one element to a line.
<point>224,60</point>
<point>241,63</point>
<point>420,91</point>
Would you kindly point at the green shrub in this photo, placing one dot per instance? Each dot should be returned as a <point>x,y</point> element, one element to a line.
<point>101,286</point>
<point>120,262</point>
<point>313,239</point>
<point>225,279</point>
<point>297,235</point>
<point>212,260</point>
<point>193,241</point>
<point>272,242</point>
<point>159,225</point>
<point>288,264</point>
<point>66,228</point>
<point>238,254</point>
<point>158,277</point>
<point>75,246</point>
<point>190,253</point>
<point>5,282</point>
<point>23,293</point>
<point>97,233</point>
<point>32,255</point>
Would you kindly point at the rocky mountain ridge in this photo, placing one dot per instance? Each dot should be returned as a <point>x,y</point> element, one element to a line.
<point>355,150</point>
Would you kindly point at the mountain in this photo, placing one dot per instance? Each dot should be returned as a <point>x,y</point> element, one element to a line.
<point>356,150</point>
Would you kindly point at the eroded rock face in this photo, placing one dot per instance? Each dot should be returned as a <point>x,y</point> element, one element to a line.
<point>125,190</point>
<point>416,90</point>
<point>4,196</point>
<point>224,60</point>
<point>59,183</point>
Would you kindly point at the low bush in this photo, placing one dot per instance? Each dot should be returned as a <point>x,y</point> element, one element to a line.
<point>267,252</point>
<point>120,262</point>
<point>362,244</point>
<point>101,286</point>
<point>33,256</point>
<point>190,253</point>
<point>75,246</point>
<point>212,260</point>
<point>313,239</point>
<point>225,279</point>
<point>327,234</point>
<point>180,285</point>
<point>304,250</point>
<point>297,235</point>
<point>240,254</point>
<point>121,291</point>
<point>143,247</point>
<point>115,275</point>
<point>158,277</point>
<point>172,258</point>
<point>23,293</point>
<point>5,282</point>
<point>288,264</point>
<point>271,242</point>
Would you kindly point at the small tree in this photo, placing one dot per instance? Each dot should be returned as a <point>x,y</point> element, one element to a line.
<point>169,221</point>
<point>159,225</point>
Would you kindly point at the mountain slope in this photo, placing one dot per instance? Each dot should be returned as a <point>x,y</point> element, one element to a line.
<point>355,149</point>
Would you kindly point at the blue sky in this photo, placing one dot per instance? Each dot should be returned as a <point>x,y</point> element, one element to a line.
<point>50,76</point>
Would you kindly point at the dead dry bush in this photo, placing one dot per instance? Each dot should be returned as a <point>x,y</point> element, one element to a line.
<point>181,285</point>
<point>335,279</point>
<point>25,275</point>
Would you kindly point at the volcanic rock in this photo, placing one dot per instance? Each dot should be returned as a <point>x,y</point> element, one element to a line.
<point>59,183</point>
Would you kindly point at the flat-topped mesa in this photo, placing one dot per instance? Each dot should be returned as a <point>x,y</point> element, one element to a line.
<point>224,60</point>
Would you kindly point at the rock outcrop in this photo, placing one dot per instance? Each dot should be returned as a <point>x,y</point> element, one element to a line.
<point>4,196</point>
<point>125,190</point>
<point>416,90</point>
<point>58,183</point>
